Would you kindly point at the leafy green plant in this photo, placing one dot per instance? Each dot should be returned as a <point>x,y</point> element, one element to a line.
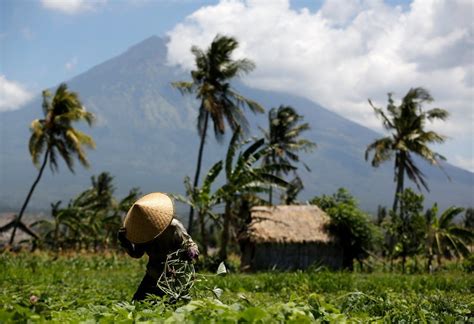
<point>356,233</point>
<point>444,238</point>
<point>45,287</point>
<point>90,220</point>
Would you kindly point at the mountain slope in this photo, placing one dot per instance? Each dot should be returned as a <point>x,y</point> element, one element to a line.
<point>146,137</point>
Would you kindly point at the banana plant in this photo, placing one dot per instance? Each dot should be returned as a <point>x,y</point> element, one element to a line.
<point>202,200</point>
<point>444,237</point>
<point>245,176</point>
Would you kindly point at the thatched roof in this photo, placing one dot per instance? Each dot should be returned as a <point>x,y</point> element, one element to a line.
<point>288,224</point>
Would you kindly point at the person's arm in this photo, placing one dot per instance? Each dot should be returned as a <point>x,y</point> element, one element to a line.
<point>133,250</point>
<point>185,240</point>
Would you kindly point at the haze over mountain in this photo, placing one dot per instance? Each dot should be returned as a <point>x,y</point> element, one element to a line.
<point>146,137</point>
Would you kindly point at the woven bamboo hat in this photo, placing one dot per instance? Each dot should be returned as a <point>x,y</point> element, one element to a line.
<point>148,217</point>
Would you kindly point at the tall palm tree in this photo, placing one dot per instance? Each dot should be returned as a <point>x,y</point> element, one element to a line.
<point>215,68</point>
<point>54,135</point>
<point>283,138</point>
<point>406,123</point>
<point>444,237</point>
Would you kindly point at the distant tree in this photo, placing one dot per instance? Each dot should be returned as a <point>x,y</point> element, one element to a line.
<point>406,123</point>
<point>356,233</point>
<point>444,237</point>
<point>92,218</point>
<point>55,135</point>
<point>215,68</point>
<point>55,231</point>
<point>408,226</point>
<point>283,138</point>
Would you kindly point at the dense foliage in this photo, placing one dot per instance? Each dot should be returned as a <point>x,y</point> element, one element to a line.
<point>89,221</point>
<point>354,229</point>
<point>74,288</point>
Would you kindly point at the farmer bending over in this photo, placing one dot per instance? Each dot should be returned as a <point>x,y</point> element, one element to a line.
<point>150,227</point>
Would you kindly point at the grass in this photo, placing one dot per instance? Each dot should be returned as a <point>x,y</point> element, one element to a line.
<point>98,288</point>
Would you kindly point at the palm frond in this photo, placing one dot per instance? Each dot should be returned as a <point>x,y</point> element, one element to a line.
<point>241,101</point>
<point>233,146</point>
<point>184,87</point>
<point>211,176</point>
<point>415,174</point>
<point>437,113</point>
<point>448,215</point>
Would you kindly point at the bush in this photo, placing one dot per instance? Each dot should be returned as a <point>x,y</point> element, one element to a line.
<point>468,264</point>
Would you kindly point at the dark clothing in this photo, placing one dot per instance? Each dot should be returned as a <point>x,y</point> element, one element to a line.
<point>147,286</point>
<point>173,238</point>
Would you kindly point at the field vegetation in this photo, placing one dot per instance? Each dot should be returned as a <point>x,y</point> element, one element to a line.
<point>97,288</point>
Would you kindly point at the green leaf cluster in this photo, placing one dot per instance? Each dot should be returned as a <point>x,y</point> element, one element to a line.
<point>352,227</point>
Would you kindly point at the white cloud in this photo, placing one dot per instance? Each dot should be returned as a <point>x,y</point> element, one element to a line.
<point>341,55</point>
<point>73,6</point>
<point>12,94</point>
<point>71,64</point>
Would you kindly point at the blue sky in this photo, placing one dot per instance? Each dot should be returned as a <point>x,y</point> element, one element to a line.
<point>43,46</point>
<point>335,52</point>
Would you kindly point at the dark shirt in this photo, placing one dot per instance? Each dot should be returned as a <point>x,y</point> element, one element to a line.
<point>173,238</point>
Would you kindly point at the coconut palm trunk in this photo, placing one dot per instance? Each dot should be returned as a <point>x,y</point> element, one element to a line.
<point>198,170</point>
<point>400,160</point>
<point>30,193</point>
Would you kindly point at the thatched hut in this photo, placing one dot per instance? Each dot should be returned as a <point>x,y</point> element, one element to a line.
<point>288,237</point>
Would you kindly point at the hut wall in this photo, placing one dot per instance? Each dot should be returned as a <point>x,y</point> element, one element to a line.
<point>291,256</point>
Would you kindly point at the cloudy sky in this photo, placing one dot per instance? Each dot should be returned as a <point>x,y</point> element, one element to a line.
<point>338,53</point>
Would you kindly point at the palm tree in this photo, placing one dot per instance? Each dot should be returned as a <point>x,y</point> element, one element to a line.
<point>283,138</point>
<point>444,237</point>
<point>98,204</point>
<point>406,123</point>
<point>54,135</point>
<point>243,177</point>
<point>64,222</point>
<point>215,68</point>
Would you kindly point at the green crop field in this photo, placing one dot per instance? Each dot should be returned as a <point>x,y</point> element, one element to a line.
<point>98,288</point>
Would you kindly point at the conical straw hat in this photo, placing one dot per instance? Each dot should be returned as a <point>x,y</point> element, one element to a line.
<point>148,217</point>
